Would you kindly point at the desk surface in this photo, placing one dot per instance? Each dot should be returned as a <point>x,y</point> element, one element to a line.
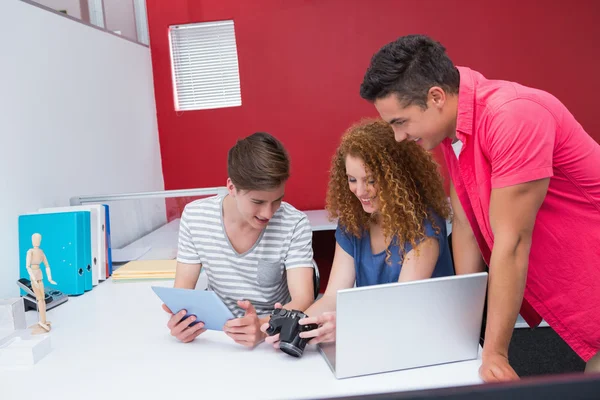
<point>163,243</point>
<point>319,220</point>
<point>113,341</point>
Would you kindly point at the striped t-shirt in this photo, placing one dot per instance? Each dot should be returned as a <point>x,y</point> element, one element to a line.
<point>259,274</point>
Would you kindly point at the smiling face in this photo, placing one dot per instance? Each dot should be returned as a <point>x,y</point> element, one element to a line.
<point>256,207</point>
<point>428,127</point>
<point>361,183</point>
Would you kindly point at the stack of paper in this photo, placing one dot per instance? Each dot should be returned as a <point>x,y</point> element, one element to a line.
<point>145,270</point>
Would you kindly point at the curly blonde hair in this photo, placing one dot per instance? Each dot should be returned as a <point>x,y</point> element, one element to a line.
<point>407,178</point>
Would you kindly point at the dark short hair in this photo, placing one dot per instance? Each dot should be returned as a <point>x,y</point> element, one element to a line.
<point>258,162</point>
<point>409,67</point>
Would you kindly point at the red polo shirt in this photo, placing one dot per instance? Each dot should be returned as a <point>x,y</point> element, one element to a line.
<point>513,134</point>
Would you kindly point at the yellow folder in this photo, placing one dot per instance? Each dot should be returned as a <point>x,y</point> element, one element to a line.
<point>146,269</point>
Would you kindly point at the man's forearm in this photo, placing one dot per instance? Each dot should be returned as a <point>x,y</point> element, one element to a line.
<point>465,251</point>
<point>186,275</point>
<point>298,304</point>
<point>508,275</point>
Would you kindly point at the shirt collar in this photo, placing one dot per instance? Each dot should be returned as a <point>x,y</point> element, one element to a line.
<point>466,103</point>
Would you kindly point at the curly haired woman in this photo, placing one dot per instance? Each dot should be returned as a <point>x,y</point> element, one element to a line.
<point>391,209</point>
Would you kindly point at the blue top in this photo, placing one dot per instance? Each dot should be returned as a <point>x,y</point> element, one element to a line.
<point>371,269</point>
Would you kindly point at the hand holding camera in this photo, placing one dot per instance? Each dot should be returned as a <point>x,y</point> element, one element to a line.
<point>326,328</point>
<point>286,324</point>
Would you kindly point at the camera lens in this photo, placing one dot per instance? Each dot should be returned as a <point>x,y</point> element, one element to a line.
<point>290,349</point>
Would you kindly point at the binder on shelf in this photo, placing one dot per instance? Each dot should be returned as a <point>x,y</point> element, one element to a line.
<point>98,240</point>
<point>66,242</point>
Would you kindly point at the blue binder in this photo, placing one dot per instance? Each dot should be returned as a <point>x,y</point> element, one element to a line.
<point>109,266</point>
<point>66,243</point>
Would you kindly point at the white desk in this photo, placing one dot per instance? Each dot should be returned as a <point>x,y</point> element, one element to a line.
<point>319,220</point>
<point>163,243</point>
<point>113,343</point>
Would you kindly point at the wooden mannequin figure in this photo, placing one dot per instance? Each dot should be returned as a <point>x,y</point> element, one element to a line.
<point>35,257</point>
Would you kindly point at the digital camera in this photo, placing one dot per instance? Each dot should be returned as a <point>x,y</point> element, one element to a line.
<point>285,322</point>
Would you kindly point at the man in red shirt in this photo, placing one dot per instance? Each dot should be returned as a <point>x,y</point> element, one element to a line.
<point>525,191</point>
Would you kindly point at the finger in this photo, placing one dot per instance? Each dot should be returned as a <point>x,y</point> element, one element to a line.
<point>240,338</point>
<point>250,329</point>
<point>498,372</point>
<point>194,336</point>
<point>513,374</point>
<point>486,374</point>
<point>175,319</point>
<point>237,336</point>
<point>237,329</point>
<point>167,309</point>
<point>248,320</point>
<point>316,332</point>
<point>278,305</point>
<point>328,337</point>
<point>245,338</point>
<point>183,325</point>
<point>246,305</point>
<point>312,320</point>
<point>243,321</point>
<point>192,333</point>
<point>316,340</point>
<point>506,373</point>
<point>319,320</point>
<point>264,327</point>
<point>272,339</point>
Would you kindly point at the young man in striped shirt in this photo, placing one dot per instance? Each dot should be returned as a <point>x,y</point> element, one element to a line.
<point>256,249</point>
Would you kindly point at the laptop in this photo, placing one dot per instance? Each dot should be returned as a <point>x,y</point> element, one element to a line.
<point>405,325</point>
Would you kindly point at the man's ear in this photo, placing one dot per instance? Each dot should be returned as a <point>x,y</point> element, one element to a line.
<point>436,96</point>
<point>231,188</point>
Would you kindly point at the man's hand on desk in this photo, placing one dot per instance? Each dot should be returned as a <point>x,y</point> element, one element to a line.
<point>495,368</point>
<point>181,329</point>
<point>245,330</point>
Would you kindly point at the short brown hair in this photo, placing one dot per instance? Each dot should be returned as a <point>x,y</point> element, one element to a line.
<point>258,162</point>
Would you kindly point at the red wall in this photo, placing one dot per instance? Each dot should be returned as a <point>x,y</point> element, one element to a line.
<point>302,61</point>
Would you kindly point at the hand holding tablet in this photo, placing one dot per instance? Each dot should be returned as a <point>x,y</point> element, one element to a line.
<point>181,327</point>
<point>205,306</point>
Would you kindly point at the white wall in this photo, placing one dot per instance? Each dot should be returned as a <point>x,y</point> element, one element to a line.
<point>77,117</point>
